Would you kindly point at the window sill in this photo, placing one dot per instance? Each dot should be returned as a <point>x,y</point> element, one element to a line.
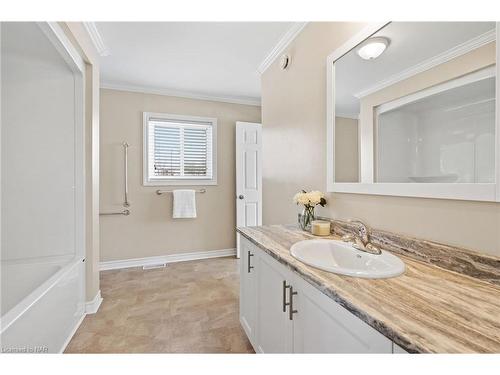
<point>180,183</point>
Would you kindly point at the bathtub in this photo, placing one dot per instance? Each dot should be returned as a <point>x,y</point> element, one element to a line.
<point>42,303</point>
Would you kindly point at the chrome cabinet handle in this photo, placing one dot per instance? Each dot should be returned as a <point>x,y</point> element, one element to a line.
<point>248,261</point>
<point>285,303</point>
<point>291,311</point>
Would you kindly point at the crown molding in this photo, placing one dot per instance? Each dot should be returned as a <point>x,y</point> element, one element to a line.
<point>452,53</point>
<point>352,116</point>
<point>180,94</point>
<point>96,38</point>
<point>281,45</point>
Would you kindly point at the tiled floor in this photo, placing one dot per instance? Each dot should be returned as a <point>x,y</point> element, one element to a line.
<point>188,307</point>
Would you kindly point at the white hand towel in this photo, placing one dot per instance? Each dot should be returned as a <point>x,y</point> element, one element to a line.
<point>184,204</point>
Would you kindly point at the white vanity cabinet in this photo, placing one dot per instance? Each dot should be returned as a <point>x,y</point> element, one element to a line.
<point>396,349</point>
<point>274,329</point>
<point>317,325</point>
<point>323,326</point>
<point>248,285</point>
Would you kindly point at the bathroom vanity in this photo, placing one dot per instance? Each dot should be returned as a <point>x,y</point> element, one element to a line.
<point>287,306</point>
<point>415,119</point>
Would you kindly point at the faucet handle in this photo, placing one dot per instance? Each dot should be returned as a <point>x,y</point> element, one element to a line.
<point>363,230</point>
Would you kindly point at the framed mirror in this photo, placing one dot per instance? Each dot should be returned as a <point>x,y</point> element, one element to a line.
<point>412,111</point>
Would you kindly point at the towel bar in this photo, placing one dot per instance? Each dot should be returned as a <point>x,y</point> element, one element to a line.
<point>124,212</point>
<point>160,192</point>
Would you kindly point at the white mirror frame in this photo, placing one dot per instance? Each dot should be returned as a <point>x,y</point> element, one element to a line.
<point>461,191</point>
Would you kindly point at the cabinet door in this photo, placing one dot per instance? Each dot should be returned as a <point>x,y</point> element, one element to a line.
<point>323,326</point>
<point>396,349</point>
<point>248,280</point>
<point>274,329</point>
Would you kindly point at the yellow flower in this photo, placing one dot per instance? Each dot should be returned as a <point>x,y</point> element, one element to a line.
<point>312,198</point>
<point>301,198</point>
<point>315,197</point>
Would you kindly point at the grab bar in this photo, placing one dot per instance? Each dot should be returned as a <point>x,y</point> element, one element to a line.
<point>125,151</point>
<point>124,212</point>
<point>160,192</point>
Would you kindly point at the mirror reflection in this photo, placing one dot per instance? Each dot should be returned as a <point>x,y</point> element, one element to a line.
<point>416,103</point>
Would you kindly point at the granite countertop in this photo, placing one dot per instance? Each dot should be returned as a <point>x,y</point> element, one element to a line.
<point>428,309</point>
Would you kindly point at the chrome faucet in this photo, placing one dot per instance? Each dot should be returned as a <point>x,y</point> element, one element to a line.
<point>361,239</point>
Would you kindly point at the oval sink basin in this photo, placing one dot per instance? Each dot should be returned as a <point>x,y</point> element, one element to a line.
<point>342,258</point>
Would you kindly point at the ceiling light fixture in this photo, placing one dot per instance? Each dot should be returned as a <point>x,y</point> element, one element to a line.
<point>373,48</point>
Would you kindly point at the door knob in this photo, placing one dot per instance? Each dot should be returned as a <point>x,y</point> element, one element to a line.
<point>241,196</point>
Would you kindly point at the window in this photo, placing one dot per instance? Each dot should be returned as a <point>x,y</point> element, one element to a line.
<point>179,150</point>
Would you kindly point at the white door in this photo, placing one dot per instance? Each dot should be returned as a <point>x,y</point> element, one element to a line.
<point>248,175</point>
<point>274,328</point>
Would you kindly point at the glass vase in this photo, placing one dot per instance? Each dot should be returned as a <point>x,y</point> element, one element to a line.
<point>306,218</point>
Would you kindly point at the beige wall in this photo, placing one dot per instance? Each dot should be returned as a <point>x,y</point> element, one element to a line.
<point>294,130</point>
<point>346,150</point>
<point>81,40</point>
<point>150,229</point>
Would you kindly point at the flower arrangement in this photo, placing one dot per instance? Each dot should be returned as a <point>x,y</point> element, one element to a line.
<point>309,201</point>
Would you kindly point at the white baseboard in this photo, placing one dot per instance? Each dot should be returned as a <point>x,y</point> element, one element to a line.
<point>148,261</point>
<point>91,307</point>
<point>72,333</point>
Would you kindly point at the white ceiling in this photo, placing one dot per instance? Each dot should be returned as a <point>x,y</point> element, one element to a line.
<point>208,59</point>
<point>411,43</point>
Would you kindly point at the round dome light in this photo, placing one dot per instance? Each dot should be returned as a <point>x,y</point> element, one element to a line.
<point>373,48</point>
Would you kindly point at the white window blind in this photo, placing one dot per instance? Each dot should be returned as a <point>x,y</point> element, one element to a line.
<point>179,149</point>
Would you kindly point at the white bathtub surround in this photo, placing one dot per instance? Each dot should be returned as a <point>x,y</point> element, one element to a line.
<point>49,281</point>
<point>149,261</point>
<point>43,206</point>
<point>184,204</point>
<point>91,307</point>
